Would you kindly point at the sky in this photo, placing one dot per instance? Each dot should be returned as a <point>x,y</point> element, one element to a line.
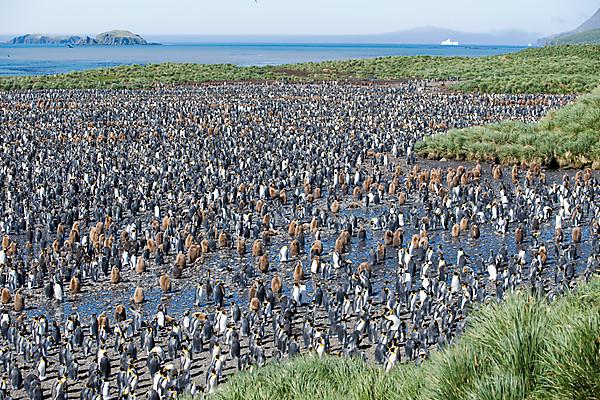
<point>287,17</point>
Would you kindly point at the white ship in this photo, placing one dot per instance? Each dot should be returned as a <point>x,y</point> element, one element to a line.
<point>449,42</point>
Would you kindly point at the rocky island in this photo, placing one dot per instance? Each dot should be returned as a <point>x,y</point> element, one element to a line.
<point>110,38</point>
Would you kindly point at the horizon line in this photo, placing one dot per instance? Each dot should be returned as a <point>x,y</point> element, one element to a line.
<point>430,27</point>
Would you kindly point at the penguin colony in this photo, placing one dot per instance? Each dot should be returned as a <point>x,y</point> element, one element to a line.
<point>296,215</point>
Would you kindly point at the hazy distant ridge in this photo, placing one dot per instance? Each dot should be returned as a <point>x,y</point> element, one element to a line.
<point>586,33</point>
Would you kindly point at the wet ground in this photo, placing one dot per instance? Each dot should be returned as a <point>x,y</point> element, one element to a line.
<point>224,264</point>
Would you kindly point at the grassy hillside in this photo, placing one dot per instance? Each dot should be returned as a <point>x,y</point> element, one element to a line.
<point>562,69</point>
<point>523,348</point>
<point>588,37</point>
<point>569,137</point>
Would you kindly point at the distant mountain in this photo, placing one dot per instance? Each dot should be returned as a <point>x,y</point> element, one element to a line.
<point>590,24</point>
<point>116,38</point>
<point>587,37</point>
<point>586,33</point>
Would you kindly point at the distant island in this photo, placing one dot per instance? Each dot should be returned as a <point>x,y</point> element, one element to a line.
<point>586,33</point>
<point>110,38</point>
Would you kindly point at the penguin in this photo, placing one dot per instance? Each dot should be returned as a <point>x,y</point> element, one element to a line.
<point>455,231</point>
<point>254,304</point>
<point>475,231</point>
<point>321,348</point>
<point>276,283</point>
<point>138,295</point>
<point>295,248</point>
<point>153,364</point>
<point>316,248</point>
<point>41,368</point>
<point>74,285</point>
<point>104,367</point>
<point>16,378</point>
<point>115,275</point>
<point>257,248</point>
<point>461,258</point>
<point>284,254</point>
<point>519,233</point>
<point>362,234</point>
<point>388,238</point>
<point>212,381</point>
<point>219,294</point>
<point>241,246</point>
<point>299,294</point>
<point>491,268</point>
<point>176,271</point>
<point>19,303</point>
<point>180,261</point>
<point>140,265</point>
<point>455,285</point>
<point>298,272</point>
<point>315,265</point>
<point>6,297</point>
<point>120,313</point>
<point>223,240</point>
<point>263,264</point>
<point>558,235</point>
<point>576,234</point>
<point>165,283</point>
<point>464,224</point>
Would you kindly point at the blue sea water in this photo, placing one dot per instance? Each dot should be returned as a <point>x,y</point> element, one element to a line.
<point>45,60</point>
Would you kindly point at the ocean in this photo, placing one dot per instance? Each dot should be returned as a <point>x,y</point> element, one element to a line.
<point>47,60</point>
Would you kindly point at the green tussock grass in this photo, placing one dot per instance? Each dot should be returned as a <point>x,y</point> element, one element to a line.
<point>569,137</point>
<point>523,348</point>
<point>557,69</point>
<point>560,69</point>
<point>138,77</point>
<point>329,378</point>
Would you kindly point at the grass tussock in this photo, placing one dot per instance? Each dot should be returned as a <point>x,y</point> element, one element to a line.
<point>523,348</point>
<point>559,69</point>
<point>569,137</point>
<point>310,377</point>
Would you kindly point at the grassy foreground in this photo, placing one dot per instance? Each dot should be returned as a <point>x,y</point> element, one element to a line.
<point>569,137</point>
<point>560,69</point>
<point>523,348</point>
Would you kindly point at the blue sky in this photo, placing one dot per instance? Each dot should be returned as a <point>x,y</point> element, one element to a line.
<point>299,17</point>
